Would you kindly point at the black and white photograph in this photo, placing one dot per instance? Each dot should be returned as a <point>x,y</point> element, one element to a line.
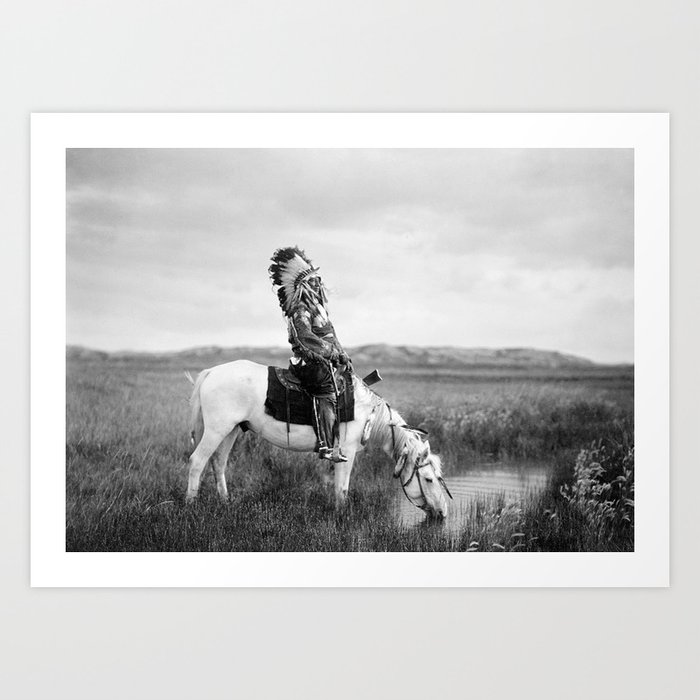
<point>350,350</point>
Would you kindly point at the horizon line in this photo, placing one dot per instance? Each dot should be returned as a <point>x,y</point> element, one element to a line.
<point>362,345</point>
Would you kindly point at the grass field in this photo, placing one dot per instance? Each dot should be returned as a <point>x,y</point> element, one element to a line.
<point>128,440</point>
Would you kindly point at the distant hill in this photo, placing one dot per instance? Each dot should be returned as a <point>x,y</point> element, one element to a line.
<point>414,356</point>
<point>375,355</point>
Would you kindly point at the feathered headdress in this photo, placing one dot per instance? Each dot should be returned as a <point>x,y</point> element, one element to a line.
<point>291,271</point>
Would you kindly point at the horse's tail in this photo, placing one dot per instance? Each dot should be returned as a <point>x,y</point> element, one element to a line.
<point>196,420</point>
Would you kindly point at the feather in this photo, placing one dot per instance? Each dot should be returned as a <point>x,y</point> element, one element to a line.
<point>289,271</point>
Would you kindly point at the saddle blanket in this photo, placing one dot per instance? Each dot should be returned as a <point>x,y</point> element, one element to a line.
<point>287,402</point>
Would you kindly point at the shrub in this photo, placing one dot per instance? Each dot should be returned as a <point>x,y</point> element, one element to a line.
<point>603,489</point>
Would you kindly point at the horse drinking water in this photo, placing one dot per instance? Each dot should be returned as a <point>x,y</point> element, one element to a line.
<point>230,398</point>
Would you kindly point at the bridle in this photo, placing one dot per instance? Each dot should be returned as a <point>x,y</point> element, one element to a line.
<point>418,464</point>
<point>415,472</point>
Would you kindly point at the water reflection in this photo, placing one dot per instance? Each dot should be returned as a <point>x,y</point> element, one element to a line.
<point>512,480</point>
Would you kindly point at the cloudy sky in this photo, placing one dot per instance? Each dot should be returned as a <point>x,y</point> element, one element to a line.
<point>169,249</point>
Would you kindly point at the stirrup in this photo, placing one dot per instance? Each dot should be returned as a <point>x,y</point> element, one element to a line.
<point>325,453</point>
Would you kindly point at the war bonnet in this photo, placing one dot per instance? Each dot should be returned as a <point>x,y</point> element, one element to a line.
<point>291,271</point>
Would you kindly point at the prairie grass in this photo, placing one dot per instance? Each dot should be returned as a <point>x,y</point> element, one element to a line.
<point>127,445</point>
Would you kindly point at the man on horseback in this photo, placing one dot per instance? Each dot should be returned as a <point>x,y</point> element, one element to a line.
<point>317,352</point>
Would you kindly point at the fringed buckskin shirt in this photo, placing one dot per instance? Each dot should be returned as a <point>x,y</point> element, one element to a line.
<point>312,336</point>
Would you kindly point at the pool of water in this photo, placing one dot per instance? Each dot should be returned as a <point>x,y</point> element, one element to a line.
<point>512,480</point>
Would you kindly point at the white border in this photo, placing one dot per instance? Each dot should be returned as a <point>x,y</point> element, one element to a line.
<point>648,565</point>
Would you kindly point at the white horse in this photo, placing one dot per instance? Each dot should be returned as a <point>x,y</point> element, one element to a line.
<point>230,397</point>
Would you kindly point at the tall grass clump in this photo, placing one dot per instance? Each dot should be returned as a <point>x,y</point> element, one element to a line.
<point>603,491</point>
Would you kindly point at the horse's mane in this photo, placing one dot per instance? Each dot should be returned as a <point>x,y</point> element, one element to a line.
<point>381,431</point>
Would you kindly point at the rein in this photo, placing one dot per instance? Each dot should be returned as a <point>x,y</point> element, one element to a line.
<point>416,467</point>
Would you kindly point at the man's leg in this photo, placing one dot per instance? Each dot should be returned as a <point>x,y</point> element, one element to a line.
<point>326,415</point>
<point>323,448</point>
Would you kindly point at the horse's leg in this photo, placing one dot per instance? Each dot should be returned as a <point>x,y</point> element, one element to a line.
<point>342,473</point>
<point>207,445</point>
<point>219,460</point>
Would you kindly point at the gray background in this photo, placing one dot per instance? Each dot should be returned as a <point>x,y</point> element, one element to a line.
<point>331,56</point>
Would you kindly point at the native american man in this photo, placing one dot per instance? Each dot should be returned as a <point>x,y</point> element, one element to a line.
<point>317,352</point>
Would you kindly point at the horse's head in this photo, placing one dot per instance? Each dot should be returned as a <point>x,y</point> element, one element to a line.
<point>420,474</point>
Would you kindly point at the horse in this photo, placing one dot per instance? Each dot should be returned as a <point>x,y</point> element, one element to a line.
<point>228,399</point>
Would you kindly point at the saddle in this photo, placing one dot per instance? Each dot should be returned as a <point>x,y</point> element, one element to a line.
<point>288,402</point>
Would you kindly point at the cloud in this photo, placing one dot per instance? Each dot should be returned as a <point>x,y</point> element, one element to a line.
<point>475,247</point>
